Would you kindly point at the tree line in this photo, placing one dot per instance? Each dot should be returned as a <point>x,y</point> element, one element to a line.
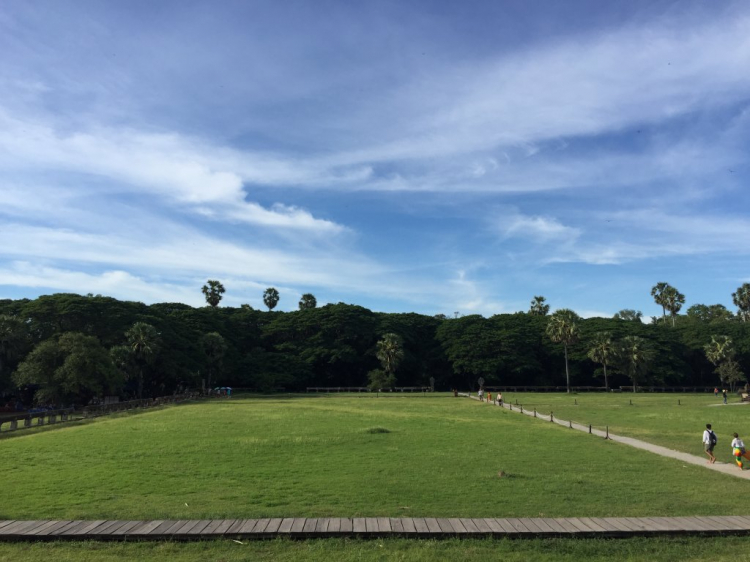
<point>67,348</point>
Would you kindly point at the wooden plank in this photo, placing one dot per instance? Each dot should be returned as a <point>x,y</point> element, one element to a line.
<point>445,526</point>
<point>199,527</point>
<point>111,528</point>
<point>91,526</point>
<point>432,524</point>
<point>384,525</point>
<point>528,522</point>
<point>420,525</point>
<point>346,525</point>
<point>273,526</point>
<point>743,518</point>
<point>44,527</point>
<point>52,528</point>
<point>479,524</point>
<point>567,525</point>
<point>505,525</point>
<point>371,524</point>
<point>408,524</point>
<point>458,526</point>
<point>622,522</point>
<point>260,526</point>
<point>309,526</point>
<point>105,527</point>
<point>542,525</point>
<point>160,529</point>
<point>708,524</point>
<point>19,527</point>
<point>286,525</point>
<point>608,527</point>
<point>147,527</point>
<point>184,529</point>
<point>518,525</point>
<point>6,522</point>
<point>640,525</point>
<point>494,526</point>
<point>589,522</point>
<point>358,524</point>
<point>667,523</point>
<point>739,521</point>
<point>298,524</point>
<point>322,525</point>
<point>123,530</point>
<point>397,525</point>
<point>236,526</point>
<point>334,525</point>
<point>69,528</point>
<point>555,526</point>
<point>247,526</point>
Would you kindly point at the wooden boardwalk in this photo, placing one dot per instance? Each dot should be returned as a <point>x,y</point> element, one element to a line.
<point>372,527</point>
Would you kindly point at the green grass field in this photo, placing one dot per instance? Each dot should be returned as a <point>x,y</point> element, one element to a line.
<point>359,455</point>
<point>656,418</point>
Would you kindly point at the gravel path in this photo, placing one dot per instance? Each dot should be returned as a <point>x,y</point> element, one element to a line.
<point>727,468</point>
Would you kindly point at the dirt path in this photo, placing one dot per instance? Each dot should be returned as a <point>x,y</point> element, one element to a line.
<point>687,458</point>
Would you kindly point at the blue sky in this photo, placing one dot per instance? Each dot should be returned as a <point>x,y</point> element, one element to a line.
<point>405,156</point>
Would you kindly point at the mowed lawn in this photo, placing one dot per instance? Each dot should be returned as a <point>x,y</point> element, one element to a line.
<point>656,418</point>
<point>324,456</point>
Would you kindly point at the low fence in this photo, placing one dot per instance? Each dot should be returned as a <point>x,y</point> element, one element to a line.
<point>367,389</point>
<point>25,420</point>
<point>682,389</point>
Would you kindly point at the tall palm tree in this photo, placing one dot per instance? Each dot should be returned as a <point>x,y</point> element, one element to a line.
<point>741,300</point>
<point>538,306</point>
<point>673,301</point>
<point>213,290</point>
<point>214,347</point>
<point>657,291</point>
<point>634,356</point>
<point>562,328</point>
<point>308,300</point>
<point>143,340</point>
<point>271,298</point>
<point>390,352</point>
<point>602,351</point>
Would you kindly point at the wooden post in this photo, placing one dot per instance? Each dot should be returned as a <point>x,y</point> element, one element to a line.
<point>522,409</point>
<point>27,422</point>
<point>575,401</point>
<point>607,437</point>
<point>570,424</point>
<point>678,402</point>
<point>551,419</point>
<point>534,412</point>
<point>589,428</point>
<point>13,424</point>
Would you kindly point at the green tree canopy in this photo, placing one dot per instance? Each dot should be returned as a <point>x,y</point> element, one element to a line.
<point>538,306</point>
<point>143,340</point>
<point>633,357</point>
<point>602,351</point>
<point>629,314</point>
<point>741,299</point>
<point>214,348</point>
<point>71,368</point>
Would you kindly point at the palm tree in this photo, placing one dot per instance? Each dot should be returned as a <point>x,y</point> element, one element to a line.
<point>634,357</point>
<point>308,300</point>
<point>214,347</point>
<point>390,353</point>
<point>673,301</point>
<point>742,301</point>
<point>143,340</point>
<point>657,291</point>
<point>602,350</point>
<point>213,290</point>
<point>538,308</point>
<point>271,298</point>
<point>562,328</point>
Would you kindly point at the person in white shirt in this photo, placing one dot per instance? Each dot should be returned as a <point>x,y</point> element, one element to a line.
<point>738,450</point>
<point>709,442</point>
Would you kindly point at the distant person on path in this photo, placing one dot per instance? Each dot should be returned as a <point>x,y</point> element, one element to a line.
<point>481,395</point>
<point>489,397</point>
<point>709,442</point>
<point>724,395</point>
<point>738,450</point>
<point>500,399</point>
<point>716,392</point>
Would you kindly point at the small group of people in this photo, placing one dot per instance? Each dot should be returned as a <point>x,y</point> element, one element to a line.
<point>723,394</point>
<point>498,398</point>
<point>738,447</point>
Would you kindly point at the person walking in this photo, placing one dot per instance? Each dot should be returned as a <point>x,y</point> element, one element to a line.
<point>724,395</point>
<point>738,450</point>
<point>716,392</point>
<point>709,442</point>
<point>500,399</point>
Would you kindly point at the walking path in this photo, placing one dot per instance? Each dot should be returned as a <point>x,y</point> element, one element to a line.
<point>239,529</point>
<point>726,468</point>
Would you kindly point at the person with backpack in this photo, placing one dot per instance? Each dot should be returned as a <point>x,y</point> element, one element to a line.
<point>709,442</point>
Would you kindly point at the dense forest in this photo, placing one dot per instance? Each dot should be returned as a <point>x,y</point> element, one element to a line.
<point>68,348</point>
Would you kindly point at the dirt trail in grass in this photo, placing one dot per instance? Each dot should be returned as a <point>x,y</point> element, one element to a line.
<point>726,468</point>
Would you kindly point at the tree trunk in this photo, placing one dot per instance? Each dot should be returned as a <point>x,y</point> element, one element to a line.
<point>567,374</point>
<point>140,383</point>
<point>673,320</point>
<point>606,381</point>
